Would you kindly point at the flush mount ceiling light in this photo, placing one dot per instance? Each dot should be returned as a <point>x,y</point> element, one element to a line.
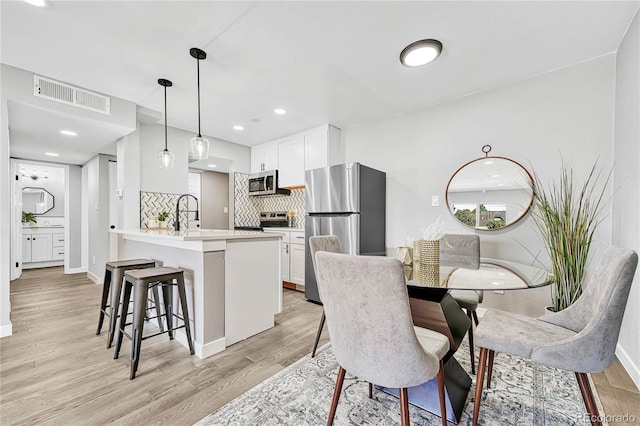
<point>420,53</point>
<point>280,111</point>
<point>52,154</point>
<point>165,157</point>
<point>38,3</point>
<point>213,166</point>
<point>199,145</point>
<point>68,133</point>
<point>238,127</point>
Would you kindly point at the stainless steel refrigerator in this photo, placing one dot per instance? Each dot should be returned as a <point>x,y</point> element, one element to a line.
<point>348,201</point>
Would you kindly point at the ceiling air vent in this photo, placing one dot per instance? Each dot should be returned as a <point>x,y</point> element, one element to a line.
<point>66,94</point>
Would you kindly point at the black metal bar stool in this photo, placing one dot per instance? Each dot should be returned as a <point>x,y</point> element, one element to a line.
<point>112,289</point>
<point>141,281</point>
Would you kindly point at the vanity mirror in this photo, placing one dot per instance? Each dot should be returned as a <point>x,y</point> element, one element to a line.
<point>36,200</point>
<point>489,193</point>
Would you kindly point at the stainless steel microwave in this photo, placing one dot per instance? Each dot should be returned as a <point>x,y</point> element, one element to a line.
<point>266,183</point>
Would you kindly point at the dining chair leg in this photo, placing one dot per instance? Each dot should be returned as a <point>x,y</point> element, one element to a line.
<point>482,365</point>
<point>336,395</point>
<point>370,390</point>
<point>315,345</point>
<point>587,396</point>
<point>475,317</point>
<point>443,406</point>
<point>404,407</point>
<point>471,348</point>
<point>490,368</point>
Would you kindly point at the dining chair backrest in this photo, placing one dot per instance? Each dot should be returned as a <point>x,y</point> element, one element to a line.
<point>460,250</point>
<point>328,243</point>
<point>596,316</point>
<point>369,319</point>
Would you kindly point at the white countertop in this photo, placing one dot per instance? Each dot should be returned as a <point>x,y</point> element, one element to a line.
<point>282,229</point>
<point>196,234</point>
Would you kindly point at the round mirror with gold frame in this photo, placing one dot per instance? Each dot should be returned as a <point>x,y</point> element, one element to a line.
<point>490,193</point>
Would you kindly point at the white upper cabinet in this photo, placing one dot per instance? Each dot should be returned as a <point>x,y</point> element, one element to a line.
<point>292,155</point>
<point>264,157</point>
<point>291,162</point>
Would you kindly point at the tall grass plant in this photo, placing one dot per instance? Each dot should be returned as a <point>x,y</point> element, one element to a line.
<point>567,215</point>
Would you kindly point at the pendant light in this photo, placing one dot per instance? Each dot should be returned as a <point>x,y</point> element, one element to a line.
<point>165,157</point>
<point>199,145</point>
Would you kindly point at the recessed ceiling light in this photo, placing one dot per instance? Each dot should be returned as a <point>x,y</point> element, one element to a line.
<point>68,133</point>
<point>280,111</point>
<point>420,53</point>
<point>238,127</point>
<point>255,120</point>
<point>212,166</point>
<point>51,154</point>
<point>39,3</point>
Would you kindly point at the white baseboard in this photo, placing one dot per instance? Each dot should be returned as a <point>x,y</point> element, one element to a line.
<point>94,278</point>
<point>75,270</point>
<point>202,351</point>
<point>628,364</point>
<point>6,330</point>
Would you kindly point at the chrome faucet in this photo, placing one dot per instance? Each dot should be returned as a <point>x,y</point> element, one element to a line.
<point>177,221</point>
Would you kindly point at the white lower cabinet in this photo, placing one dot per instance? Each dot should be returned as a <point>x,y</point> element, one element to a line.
<point>292,259</point>
<point>284,263</point>
<point>42,245</point>
<point>296,266</point>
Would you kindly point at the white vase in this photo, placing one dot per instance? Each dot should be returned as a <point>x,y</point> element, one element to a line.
<point>163,223</point>
<point>152,223</point>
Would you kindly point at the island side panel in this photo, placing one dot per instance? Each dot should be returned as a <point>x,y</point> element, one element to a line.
<point>204,282</point>
<point>253,293</point>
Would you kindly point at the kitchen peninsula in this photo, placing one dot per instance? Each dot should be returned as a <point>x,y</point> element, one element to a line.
<point>232,278</point>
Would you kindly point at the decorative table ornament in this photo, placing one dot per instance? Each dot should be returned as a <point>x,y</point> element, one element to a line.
<point>428,249</point>
<point>152,223</point>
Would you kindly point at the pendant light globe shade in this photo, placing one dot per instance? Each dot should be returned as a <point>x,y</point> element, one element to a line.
<point>199,148</point>
<point>199,145</point>
<point>166,159</point>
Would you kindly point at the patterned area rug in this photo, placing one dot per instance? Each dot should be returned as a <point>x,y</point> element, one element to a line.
<point>522,393</point>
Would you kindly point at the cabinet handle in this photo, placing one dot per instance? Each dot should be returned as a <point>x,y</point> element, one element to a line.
<point>34,238</point>
<point>300,238</point>
<point>287,248</point>
<point>28,239</point>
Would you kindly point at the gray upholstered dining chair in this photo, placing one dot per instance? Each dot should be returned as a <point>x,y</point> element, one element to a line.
<point>464,251</point>
<point>581,338</point>
<point>331,244</point>
<point>372,333</point>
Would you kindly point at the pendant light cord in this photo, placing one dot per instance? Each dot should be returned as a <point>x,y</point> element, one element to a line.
<point>165,118</point>
<point>198,62</point>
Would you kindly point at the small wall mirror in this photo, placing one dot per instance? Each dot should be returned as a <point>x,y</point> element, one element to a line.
<point>36,200</point>
<point>489,193</point>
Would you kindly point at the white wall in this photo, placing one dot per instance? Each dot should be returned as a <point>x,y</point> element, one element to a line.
<point>214,198</point>
<point>5,216</point>
<point>568,112</point>
<point>155,179</point>
<point>626,180</point>
<point>74,227</point>
<point>98,215</point>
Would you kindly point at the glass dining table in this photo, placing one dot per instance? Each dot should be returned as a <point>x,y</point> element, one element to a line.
<point>433,307</point>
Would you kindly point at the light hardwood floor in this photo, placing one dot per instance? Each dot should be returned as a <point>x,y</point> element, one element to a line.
<point>55,370</point>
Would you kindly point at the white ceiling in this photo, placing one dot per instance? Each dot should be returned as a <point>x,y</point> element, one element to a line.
<point>325,62</point>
